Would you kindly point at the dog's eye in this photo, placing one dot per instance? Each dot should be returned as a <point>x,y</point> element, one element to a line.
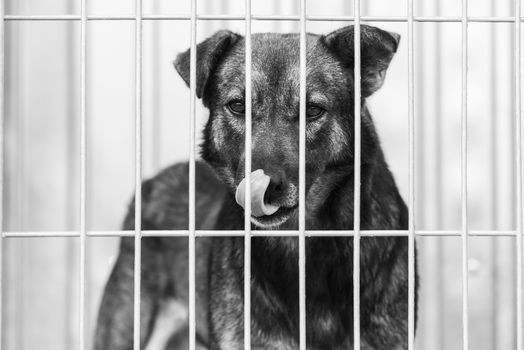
<point>237,107</point>
<point>313,111</point>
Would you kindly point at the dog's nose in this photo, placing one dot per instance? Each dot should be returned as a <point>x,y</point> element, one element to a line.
<point>276,189</point>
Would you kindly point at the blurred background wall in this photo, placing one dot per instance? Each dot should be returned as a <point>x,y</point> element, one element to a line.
<point>42,152</point>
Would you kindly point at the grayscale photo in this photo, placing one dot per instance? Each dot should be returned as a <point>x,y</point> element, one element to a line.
<point>245,174</point>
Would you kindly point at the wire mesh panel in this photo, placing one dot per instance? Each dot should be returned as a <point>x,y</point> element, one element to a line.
<point>451,220</point>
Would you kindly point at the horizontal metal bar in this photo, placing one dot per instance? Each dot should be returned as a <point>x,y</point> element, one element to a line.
<point>183,17</point>
<point>240,233</point>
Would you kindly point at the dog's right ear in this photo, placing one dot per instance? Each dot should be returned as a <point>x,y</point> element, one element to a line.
<point>209,53</point>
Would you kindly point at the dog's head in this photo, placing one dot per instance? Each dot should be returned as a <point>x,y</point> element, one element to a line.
<point>275,105</point>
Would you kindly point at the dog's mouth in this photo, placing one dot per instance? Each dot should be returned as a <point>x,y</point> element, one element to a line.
<point>264,212</point>
<point>276,219</point>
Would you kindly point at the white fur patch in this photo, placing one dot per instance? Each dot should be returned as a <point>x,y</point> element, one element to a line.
<point>338,139</point>
<point>218,136</point>
<point>171,318</point>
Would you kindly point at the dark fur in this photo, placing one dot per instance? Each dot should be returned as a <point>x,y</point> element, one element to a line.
<point>329,187</point>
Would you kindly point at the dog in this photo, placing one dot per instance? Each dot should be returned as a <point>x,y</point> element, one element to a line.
<point>219,276</point>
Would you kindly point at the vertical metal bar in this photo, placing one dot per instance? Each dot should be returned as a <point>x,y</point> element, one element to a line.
<point>464,175</point>
<point>514,7</point>
<point>493,145</point>
<point>439,185</point>
<point>494,183</point>
<point>21,179</point>
<point>426,246</point>
<point>83,163</point>
<point>156,93</point>
<point>247,212</point>
<point>422,154</point>
<point>2,138</point>
<point>302,180</point>
<point>71,154</point>
<point>138,173</point>
<point>356,198</point>
<point>518,165</point>
<point>192,146</point>
<point>411,195</point>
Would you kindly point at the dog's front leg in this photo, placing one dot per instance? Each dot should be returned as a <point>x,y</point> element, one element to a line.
<point>114,329</point>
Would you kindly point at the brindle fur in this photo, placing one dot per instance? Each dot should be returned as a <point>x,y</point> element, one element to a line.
<point>274,261</point>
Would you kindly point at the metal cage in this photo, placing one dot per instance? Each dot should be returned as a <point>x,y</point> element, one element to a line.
<point>303,18</point>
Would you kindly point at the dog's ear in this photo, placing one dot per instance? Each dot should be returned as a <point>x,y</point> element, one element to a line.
<point>377,48</point>
<point>209,53</point>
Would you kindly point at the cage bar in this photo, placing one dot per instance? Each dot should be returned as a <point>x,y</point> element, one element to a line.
<point>302,180</point>
<point>2,55</point>
<point>138,175</point>
<point>494,188</point>
<point>21,191</point>
<point>439,212</point>
<point>464,176</point>
<point>411,195</point>
<point>301,233</point>
<point>518,179</point>
<point>192,186</point>
<point>226,17</point>
<point>285,233</point>
<point>439,220</point>
<point>247,201</point>
<point>83,172</point>
<point>356,198</point>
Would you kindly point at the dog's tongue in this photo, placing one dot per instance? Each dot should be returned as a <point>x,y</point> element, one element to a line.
<point>259,184</point>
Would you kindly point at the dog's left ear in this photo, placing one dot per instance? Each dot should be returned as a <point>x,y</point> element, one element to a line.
<point>209,53</point>
<point>377,48</point>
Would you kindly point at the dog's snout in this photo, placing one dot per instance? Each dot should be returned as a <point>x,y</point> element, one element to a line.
<point>277,188</point>
<point>277,184</point>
